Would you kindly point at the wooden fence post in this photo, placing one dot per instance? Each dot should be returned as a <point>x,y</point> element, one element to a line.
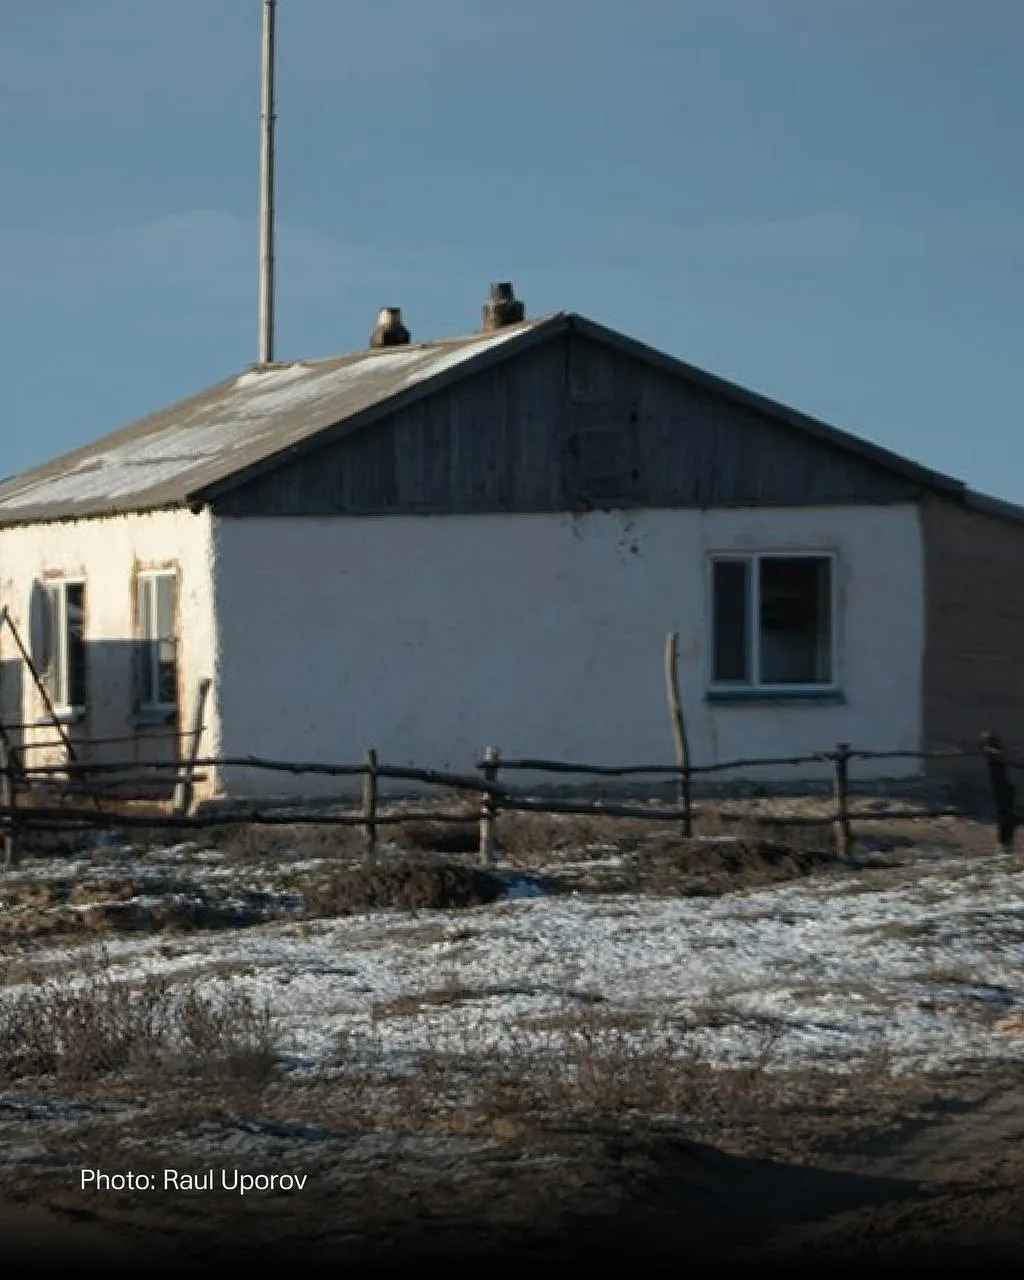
<point>1002,791</point>
<point>675,708</point>
<point>370,803</point>
<point>841,764</point>
<point>184,791</point>
<point>8,799</point>
<point>488,806</point>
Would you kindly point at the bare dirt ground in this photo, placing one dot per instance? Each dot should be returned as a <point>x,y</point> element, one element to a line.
<point>946,1185</point>
<point>644,1160</point>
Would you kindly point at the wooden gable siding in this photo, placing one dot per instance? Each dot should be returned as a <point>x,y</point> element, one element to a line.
<point>568,424</point>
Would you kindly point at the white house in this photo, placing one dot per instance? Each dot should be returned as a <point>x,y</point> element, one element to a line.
<point>431,547</point>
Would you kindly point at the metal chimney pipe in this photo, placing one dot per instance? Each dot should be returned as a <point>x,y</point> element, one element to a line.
<point>267,117</point>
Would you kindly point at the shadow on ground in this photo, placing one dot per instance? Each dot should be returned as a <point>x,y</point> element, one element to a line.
<point>697,1204</point>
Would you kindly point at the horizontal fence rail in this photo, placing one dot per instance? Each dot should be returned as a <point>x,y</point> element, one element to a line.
<point>485,795</point>
<point>56,818</point>
<point>597,770</point>
<point>393,772</point>
<point>743,762</point>
<point>55,744</point>
<point>481,795</point>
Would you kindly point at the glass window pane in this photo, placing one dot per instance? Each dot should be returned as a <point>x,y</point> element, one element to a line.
<point>731,653</point>
<point>74,604</point>
<point>796,620</point>
<point>157,646</point>
<point>158,667</point>
<point>144,655</point>
<point>145,608</point>
<point>165,593</point>
<point>167,673</point>
<point>59,647</point>
<point>47,637</point>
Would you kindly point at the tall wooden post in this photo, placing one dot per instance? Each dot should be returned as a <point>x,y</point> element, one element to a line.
<point>841,765</point>
<point>488,806</point>
<point>675,710</point>
<point>1003,794</point>
<point>8,800</point>
<point>370,803</point>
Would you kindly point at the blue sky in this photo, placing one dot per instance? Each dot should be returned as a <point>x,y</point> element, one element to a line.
<point>821,199</point>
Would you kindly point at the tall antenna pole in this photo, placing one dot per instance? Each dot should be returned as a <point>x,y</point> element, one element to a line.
<point>266,313</point>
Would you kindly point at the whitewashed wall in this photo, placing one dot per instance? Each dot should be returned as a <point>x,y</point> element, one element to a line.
<point>105,553</point>
<point>431,637</point>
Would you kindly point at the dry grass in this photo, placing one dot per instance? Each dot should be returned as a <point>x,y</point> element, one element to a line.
<point>525,839</point>
<point>916,932</point>
<point>582,1067</point>
<point>941,973</point>
<point>428,836</point>
<point>532,839</point>
<point>413,1004</point>
<point>249,842</point>
<point>748,824</point>
<point>129,903</point>
<point>593,1069</point>
<point>674,865</point>
<point>411,883</point>
<point>79,1033</point>
<point>537,839</point>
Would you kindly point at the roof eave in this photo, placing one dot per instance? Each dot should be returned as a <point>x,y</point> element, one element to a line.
<point>990,506</point>
<point>109,512</point>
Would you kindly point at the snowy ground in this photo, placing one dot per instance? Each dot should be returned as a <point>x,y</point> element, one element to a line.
<point>505,1072</point>
<point>921,966</point>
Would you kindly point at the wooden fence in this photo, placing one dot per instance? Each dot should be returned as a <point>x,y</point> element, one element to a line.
<point>490,796</point>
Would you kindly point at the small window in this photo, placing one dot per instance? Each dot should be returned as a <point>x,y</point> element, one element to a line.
<point>62,666</point>
<point>157,652</point>
<point>772,621</point>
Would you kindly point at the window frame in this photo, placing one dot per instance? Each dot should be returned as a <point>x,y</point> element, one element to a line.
<point>147,647</point>
<point>753,686</point>
<point>57,674</point>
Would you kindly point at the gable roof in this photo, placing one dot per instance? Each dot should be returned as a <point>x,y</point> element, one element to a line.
<point>208,444</point>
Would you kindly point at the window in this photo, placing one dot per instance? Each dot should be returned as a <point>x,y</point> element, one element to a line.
<point>157,652</point>
<point>62,665</point>
<point>772,621</point>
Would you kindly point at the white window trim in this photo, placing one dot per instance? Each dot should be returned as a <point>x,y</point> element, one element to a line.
<point>61,640</point>
<point>146,582</point>
<point>753,614</point>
